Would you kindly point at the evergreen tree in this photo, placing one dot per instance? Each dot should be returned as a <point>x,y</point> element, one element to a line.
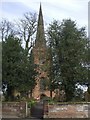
<point>17,69</point>
<point>11,60</point>
<point>69,54</point>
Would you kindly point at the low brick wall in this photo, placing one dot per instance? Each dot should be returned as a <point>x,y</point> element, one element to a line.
<point>78,110</point>
<point>14,109</point>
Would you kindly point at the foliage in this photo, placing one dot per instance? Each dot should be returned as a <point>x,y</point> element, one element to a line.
<point>18,65</point>
<point>12,57</point>
<point>0,65</point>
<point>31,103</point>
<point>68,45</point>
<point>79,95</point>
<point>28,80</point>
<point>17,71</point>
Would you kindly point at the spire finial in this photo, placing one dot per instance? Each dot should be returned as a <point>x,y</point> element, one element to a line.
<point>40,10</point>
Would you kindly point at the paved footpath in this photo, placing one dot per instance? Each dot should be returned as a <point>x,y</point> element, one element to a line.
<point>17,118</point>
<point>21,119</point>
<point>8,117</point>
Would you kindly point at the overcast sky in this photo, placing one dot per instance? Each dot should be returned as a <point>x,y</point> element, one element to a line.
<point>77,10</point>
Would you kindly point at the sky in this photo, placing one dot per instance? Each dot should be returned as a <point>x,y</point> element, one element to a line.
<point>77,10</point>
<point>89,19</point>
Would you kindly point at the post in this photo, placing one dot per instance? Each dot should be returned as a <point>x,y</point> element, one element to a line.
<point>45,109</point>
<point>26,109</point>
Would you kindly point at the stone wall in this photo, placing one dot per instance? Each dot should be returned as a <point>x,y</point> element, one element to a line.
<point>14,109</point>
<point>78,110</point>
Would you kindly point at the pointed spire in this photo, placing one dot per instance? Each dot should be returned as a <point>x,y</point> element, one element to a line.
<point>40,38</point>
<point>40,19</point>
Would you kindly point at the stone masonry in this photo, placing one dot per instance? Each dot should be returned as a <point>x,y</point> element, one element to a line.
<point>77,110</point>
<point>41,60</point>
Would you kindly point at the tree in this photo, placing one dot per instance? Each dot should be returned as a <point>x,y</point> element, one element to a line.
<point>18,67</point>
<point>88,62</point>
<point>53,44</point>
<point>27,83</point>
<point>26,29</point>
<point>12,54</point>
<point>6,29</point>
<point>0,65</point>
<point>69,54</point>
<point>17,71</point>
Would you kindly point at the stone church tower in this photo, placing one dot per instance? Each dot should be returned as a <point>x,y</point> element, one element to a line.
<point>40,59</point>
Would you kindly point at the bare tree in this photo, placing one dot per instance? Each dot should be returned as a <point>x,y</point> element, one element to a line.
<point>6,29</point>
<point>27,28</point>
<point>24,29</point>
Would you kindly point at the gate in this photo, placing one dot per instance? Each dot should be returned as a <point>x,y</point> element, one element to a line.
<point>37,110</point>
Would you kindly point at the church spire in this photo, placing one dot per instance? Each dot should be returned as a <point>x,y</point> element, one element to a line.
<point>40,38</point>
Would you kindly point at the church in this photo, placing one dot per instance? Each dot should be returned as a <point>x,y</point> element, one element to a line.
<point>40,54</point>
